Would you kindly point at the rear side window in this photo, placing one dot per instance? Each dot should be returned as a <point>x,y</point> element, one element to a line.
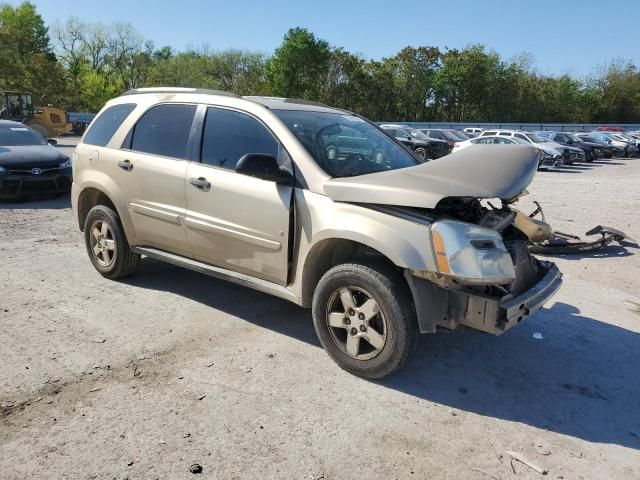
<point>229,135</point>
<point>164,130</point>
<point>104,126</point>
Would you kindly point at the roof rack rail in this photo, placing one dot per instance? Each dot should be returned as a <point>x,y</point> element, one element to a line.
<point>201,91</point>
<point>298,101</point>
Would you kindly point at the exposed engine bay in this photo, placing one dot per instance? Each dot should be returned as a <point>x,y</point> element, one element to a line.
<point>542,239</point>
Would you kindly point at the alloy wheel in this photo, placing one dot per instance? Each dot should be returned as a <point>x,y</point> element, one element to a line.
<point>356,323</point>
<point>103,245</point>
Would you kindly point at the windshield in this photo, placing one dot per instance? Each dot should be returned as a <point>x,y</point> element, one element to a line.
<point>574,137</point>
<point>345,145</point>
<point>418,134</point>
<point>587,138</point>
<point>537,139</point>
<point>459,135</point>
<point>19,137</point>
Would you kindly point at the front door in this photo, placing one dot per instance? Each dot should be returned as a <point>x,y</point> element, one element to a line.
<point>233,220</point>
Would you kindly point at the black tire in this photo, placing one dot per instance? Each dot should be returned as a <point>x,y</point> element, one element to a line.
<point>588,156</point>
<point>389,289</point>
<point>123,260</point>
<point>331,152</point>
<point>421,152</point>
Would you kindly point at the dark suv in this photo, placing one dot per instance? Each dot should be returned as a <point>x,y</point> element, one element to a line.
<point>423,146</point>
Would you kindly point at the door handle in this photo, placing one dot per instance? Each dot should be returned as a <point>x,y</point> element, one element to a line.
<point>125,165</point>
<point>201,183</point>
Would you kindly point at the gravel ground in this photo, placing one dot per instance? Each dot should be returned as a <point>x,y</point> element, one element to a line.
<point>144,377</point>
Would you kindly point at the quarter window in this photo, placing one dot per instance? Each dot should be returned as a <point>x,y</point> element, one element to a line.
<point>105,125</point>
<point>229,135</point>
<point>164,130</point>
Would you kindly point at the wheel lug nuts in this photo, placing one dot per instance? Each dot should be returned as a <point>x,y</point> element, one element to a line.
<point>363,328</point>
<point>347,321</point>
<point>351,312</point>
<point>361,316</point>
<point>353,331</point>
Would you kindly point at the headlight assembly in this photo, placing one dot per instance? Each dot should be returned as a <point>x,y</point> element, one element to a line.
<point>470,253</point>
<point>66,164</point>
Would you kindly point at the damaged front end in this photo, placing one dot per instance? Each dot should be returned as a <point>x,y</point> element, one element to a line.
<point>487,279</point>
<point>543,240</point>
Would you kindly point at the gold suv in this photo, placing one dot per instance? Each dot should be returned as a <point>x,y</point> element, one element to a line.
<point>317,206</point>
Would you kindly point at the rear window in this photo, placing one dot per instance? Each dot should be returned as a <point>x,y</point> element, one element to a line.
<point>105,125</point>
<point>164,130</point>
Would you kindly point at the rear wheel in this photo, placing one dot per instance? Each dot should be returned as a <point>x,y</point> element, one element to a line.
<point>421,152</point>
<point>364,318</point>
<point>107,245</point>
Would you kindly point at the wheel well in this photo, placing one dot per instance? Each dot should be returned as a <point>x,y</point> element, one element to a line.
<point>89,198</point>
<point>331,252</point>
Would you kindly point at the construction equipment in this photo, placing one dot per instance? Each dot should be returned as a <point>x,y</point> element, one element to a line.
<point>47,121</point>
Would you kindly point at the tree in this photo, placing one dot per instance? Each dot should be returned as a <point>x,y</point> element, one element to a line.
<point>299,66</point>
<point>27,62</point>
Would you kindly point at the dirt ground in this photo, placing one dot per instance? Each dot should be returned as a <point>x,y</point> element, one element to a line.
<point>144,377</point>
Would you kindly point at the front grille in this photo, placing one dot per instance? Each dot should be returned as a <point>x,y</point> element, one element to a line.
<point>35,185</point>
<point>22,166</point>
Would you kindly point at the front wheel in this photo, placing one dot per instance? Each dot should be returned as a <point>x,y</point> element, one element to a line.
<point>364,318</point>
<point>107,244</point>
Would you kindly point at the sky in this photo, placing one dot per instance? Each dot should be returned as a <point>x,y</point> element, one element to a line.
<point>564,36</point>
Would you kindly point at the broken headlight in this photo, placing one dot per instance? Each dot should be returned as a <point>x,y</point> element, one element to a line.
<point>470,253</point>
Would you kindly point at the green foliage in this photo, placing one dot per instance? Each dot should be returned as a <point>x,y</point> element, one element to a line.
<point>299,65</point>
<point>27,62</point>
<point>93,63</point>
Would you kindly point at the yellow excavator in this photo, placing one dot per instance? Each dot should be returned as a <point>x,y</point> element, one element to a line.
<point>47,121</point>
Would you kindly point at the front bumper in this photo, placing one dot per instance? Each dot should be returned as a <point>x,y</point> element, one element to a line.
<point>19,184</point>
<point>437,306</point>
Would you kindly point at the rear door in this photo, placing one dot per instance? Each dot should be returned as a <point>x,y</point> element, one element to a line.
<point>233,220</point>
<point>152,166</point>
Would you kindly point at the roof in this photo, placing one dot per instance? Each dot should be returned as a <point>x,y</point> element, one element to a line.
<point>11,123</point>
<point>280,103</point>
<point>197,91</point>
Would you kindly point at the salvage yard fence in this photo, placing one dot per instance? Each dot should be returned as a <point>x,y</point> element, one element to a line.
<point>558,127</point>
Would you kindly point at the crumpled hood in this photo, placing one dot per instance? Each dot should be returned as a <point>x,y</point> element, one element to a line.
<point>19,155</point>
<point>481,171</point>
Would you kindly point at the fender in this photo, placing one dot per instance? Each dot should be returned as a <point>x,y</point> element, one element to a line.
<point>106,185</point>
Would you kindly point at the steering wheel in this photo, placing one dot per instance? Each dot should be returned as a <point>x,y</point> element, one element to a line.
<point>351,165</point>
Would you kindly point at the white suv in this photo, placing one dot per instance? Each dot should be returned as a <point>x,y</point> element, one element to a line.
<point>550,148</point>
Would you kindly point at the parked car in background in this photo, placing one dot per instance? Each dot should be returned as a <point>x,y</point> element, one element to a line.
<point>569,154</point>
<point>627,147</point>
<point>472,131</point>
<point>549,156</point>
<point>443,134</point>
<point>629,138</point>
<point>591,150</point>
<point>423,146</point>
<point>609,150</point>
<point>29,164</point>
<point>610,129</point>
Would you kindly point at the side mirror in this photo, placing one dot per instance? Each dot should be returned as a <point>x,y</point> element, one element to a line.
<point>52,141</point>
<point>264,166</point>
